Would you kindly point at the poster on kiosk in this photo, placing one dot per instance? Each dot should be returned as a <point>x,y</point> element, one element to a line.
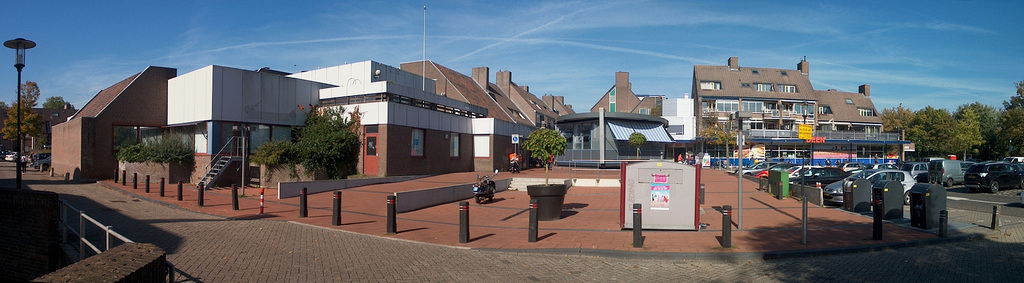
<point>667,193</point>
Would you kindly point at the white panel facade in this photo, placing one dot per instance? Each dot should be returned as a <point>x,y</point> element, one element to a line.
<point>189,97</point>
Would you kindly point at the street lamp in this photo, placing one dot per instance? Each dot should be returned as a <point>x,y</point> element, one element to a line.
<point>19,45</point>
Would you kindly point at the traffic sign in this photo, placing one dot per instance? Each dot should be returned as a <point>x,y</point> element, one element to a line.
<point>806,132</point>
<point>515,139</point>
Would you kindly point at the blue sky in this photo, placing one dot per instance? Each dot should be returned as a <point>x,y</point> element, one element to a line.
<point>918,53</point>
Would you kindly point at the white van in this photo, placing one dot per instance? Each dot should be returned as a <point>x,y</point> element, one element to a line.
<point>1013,159</point>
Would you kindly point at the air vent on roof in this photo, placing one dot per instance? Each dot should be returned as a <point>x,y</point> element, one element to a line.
<point>849,101</point>
<point>746,85</point>
<point>784,73</point>
<point>754,72</point>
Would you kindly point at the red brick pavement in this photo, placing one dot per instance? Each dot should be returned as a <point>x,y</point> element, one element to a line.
<point>590,221</point>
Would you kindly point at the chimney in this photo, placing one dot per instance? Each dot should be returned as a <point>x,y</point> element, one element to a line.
<point>804,67</point>
<point>622,79</point>
<point>734,63</point>
<point>481,75</point>
<point>865,89</point>
<point>525,88</point>
<point>503,79</point>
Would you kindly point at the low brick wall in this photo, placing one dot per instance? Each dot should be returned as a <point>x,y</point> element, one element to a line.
<point>173,172</point>
<point>130,262</point>
<point>30,242</point>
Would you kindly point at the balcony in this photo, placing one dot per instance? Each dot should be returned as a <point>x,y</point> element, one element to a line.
<point>828,135</point>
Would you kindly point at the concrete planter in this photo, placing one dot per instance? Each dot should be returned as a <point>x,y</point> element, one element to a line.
<point>550,199</point>
<point>173,172</point>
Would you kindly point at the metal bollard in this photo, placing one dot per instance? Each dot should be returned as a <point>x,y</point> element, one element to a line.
<point>124,177</point>
<point>116,180</point>
<point>727,226</point>
<point>701,193</point>
<point>179,190</point>
<point>464,222</point>
<point>392,226</point>
<point>147,184</point>
<point>303,209</point>
<point>201,192</point>
<point>135,181</point>
<point>162,182</point>
<point>261,200</point>
<point>336,216</point>
<point>532,234</point>
<point>804,221</point>
<point>943,223</point>
<point>638,238</point>
<point>878,213</point>
<point>234,197</point>
<point>995,217</point>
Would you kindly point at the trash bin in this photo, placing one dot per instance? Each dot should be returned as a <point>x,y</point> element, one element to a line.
<point>857,195</point>
<point>891,193</point>
<point>550,199</point>
<point>779,183</point>
<point>926,200</point>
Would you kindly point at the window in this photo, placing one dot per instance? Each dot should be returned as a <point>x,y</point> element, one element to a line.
<point>866,112</point>
<point>849,101</point>
<point>824,109</point>
<point>787,88</point>
<point>417,142</point>
<point>754,71</point>
<point>784,74</point>
<point>727,106</point>
<point>675,129</point>
<point>454,145</point>
<point>611,100</point>
<point>763,87</point>
<point>481,146</point>
<point>371,146</point>
<point>746,85</point>
<point>710,85</point>
<point>753,106</point>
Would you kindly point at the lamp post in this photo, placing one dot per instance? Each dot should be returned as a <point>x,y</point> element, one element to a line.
<point>739,116</point>
<point>19,45</point>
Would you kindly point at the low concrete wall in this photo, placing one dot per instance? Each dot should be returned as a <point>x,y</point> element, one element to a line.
<point>172,172</point>
<point>293,189</point>
<point>597,182</point>
<point>814,194</point>
<point>129,262</point>
<point>413,200</point>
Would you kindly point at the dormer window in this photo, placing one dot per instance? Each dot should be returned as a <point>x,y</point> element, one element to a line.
<point>787,88</point>
<point>710,85</point>
<point>764,87</point>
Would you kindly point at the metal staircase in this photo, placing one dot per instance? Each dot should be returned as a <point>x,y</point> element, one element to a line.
<point>221,161</point>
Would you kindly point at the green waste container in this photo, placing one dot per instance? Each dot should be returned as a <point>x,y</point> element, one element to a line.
<point>779,183</point>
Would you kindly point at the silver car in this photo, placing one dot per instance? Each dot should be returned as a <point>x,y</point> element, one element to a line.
<point>833,193</point>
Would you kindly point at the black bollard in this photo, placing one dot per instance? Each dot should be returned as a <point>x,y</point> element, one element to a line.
<point>995,217</point>
<point>638,239</point>
<point>201,192</point>
<point>116,180</point>
<point>179,190</point>
<point>727,226</point>
<point>701,193</point>
<point>234,197</point>
<point>392,226</point>
<point>124,177</point>
<point>464,222</point>
<point>879,213</point>
<point>532,234</point>
<point>336,217</point>
<point>135,181</point>
<point>162,181</point>
<point>303,209</point>
<point>943,223</point>
<point>147,184</point>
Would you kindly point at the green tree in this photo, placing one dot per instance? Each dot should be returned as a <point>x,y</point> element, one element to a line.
<point>987,118</point>
<point>1012,121</point>
<point>637,140</point>
<point>1016,102</point>
<point>31,122</point>
<point>897,119</point>
<point>931,131</point>
<point>329,143</point>
<point>543,144</point>
<point>967,134</point>
<point>54,102</point>
<point>4,106</point>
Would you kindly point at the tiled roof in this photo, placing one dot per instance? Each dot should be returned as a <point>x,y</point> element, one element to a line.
<point>535,102</point>
<point>99,102</point>
<point>845,112</point>
<point>740,83</point>
<point>497,103</point>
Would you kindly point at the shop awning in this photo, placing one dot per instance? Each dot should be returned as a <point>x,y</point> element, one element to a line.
<point>654,132</point>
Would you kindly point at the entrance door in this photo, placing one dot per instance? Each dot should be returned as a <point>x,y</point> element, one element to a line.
<point>370,155</point>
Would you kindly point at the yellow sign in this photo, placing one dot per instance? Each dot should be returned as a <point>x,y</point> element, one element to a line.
<point>806,132</point>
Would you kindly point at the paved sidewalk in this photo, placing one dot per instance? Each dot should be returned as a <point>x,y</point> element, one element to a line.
<point>772,227</point>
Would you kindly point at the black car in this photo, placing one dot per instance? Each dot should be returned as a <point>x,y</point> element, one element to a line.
<point>823,175</point>
<point>993,176</point>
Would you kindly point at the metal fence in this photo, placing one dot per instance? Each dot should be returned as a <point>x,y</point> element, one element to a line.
<point>108,235</point>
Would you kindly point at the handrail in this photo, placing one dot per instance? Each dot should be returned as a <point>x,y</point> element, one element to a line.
<point>219,153</point>
<point>83,242</point>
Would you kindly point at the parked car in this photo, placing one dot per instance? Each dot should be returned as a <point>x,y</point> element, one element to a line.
<point>753,169</point>
<point>777,167</point>
<point>883,166</point>
<point>850,166</point>
<point>916,168</point>
<point>39,156</point>
<point>993,176</point>
<point>824,175</point>
<point>947,172</point>
<point>42,164</point>
<point>11,156</point>
<point>833,193</point>
<point>1013,159</point>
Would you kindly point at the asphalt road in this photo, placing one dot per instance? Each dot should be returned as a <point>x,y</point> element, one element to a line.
<point>1008,200</point>
<point>209,248</point>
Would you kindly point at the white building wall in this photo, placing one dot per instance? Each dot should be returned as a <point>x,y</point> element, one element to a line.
<point>679,112</point>
<point>362,78</point>
<point>228,94</point>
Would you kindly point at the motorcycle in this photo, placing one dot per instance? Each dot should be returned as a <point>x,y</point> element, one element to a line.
<point>513,167</point>
<point>484,187</point>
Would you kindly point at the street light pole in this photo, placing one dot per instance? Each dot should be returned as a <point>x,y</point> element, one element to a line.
<point>19,45</point>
